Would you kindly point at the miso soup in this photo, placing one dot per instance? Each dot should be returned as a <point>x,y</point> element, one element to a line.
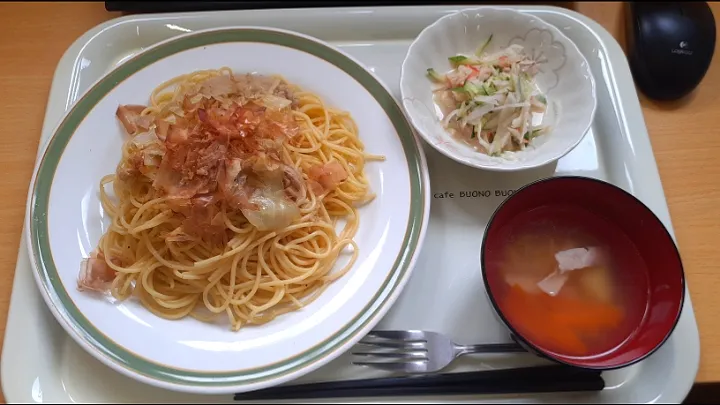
<point>568,281</point>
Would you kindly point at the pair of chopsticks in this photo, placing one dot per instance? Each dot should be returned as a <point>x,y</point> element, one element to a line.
<point>528,380</point>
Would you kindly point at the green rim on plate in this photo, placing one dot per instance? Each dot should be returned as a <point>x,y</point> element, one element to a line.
<point>120,356</point>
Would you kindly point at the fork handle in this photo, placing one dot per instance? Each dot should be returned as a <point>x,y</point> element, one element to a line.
<point>489,348</point>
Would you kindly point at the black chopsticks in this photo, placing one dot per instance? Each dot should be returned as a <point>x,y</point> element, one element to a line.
<point>541,379</point>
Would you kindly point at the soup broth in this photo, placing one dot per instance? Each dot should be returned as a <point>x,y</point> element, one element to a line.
<point>568,281</point>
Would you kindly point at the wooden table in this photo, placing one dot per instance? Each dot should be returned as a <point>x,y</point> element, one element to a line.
<point>686,142</point>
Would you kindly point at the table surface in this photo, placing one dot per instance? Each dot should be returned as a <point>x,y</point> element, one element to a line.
<point>33,37</point>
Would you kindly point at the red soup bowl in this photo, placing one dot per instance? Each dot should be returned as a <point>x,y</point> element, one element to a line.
<point>596,323</point>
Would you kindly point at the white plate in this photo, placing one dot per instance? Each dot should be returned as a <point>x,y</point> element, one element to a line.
<point>65,221</point>
<point>564,77</point>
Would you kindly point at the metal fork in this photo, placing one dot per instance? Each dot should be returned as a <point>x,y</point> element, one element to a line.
<point>415,351</point>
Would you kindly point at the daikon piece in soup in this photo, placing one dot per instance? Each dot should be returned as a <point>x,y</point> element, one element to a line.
<point>568,281</point>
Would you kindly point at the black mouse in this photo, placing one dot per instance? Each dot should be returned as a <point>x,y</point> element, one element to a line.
<point>669,46</point>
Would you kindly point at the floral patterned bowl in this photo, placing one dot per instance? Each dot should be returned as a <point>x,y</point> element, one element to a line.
<point>564,77</point>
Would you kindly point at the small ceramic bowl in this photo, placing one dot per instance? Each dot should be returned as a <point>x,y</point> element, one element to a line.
<point>565,78</point>
<point>650,317</point>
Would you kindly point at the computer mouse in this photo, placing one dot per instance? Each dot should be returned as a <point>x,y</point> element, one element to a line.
<point>669,46</point>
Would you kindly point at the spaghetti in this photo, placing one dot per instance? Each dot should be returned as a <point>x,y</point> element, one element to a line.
<point>235,195</point>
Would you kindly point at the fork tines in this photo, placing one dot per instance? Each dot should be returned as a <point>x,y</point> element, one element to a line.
<point>408,335</point>
<point>401,349</point>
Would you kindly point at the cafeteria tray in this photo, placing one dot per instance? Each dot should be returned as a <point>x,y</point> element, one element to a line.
<point>40,363</point>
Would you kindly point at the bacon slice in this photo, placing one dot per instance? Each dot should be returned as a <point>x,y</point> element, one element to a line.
<point>132,121</point>
<point>327,177</point>
<point>95,274</point>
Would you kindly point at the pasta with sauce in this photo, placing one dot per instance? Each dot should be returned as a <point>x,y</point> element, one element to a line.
<point>228,199</point>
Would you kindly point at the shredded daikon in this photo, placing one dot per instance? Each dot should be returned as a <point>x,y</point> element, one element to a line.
<point>490,98</point>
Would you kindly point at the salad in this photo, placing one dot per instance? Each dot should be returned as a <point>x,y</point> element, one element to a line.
<point>490,100</point>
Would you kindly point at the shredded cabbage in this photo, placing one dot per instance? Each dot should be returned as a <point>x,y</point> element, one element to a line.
<point>273,210</point>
